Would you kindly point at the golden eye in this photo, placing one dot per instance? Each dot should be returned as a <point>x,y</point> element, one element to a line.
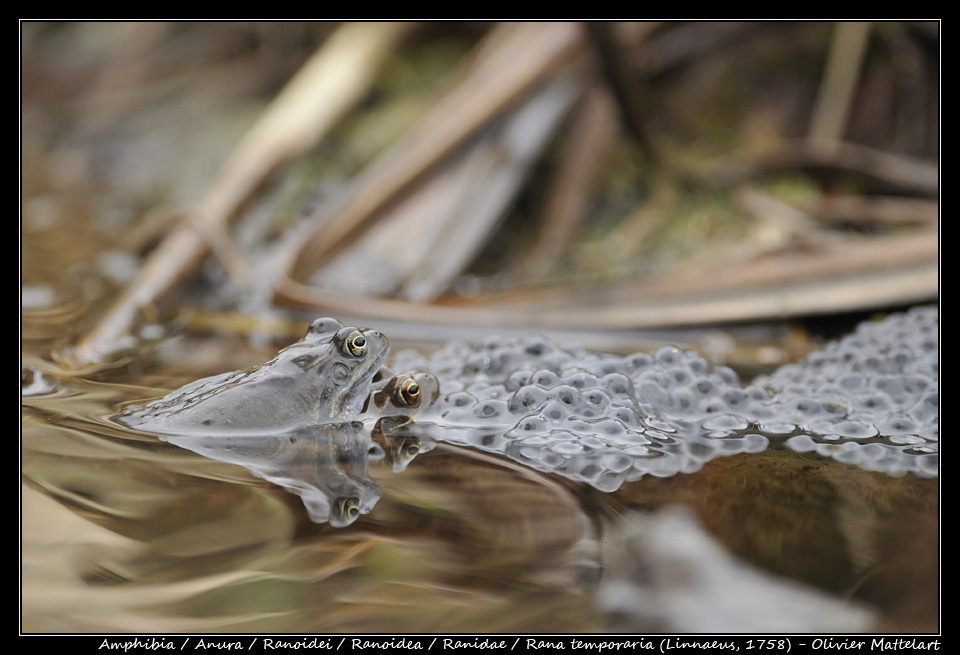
<point>408,391</point>
<point>349,508</point>
<point>354,344</point>
<point>411,448</point>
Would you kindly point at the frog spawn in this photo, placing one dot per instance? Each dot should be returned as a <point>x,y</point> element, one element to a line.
<point>870,399</point>
<point>598,419</point>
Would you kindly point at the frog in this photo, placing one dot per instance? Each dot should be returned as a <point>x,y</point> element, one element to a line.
<point>395,400</point>
<point>323,378</point>
<point>407,393</point>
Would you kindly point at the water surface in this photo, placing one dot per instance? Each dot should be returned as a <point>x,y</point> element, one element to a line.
<point>126,532</point>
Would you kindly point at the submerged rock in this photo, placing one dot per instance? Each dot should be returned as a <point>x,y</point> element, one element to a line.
<point>669,575</point>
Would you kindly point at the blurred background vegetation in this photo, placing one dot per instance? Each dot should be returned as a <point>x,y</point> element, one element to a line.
<point>555,176</point>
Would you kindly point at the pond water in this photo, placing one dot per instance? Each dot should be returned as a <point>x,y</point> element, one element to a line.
<point>124,531</point>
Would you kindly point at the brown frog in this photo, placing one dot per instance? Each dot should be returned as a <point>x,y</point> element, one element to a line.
<point>325,377</point>
<point>395,400</point>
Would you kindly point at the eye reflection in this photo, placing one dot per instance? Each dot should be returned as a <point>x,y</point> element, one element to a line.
<point>349,509</point>
<point>402,440</point>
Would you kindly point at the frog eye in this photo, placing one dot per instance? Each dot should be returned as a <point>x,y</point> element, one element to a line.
<point>349,509</point>
<point>410,448</point>
<point>408,391</point>
<point>354,344</point>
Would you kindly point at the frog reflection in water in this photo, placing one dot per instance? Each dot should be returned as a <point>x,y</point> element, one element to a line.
<point>288,420</point>
<point>326,465</point>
